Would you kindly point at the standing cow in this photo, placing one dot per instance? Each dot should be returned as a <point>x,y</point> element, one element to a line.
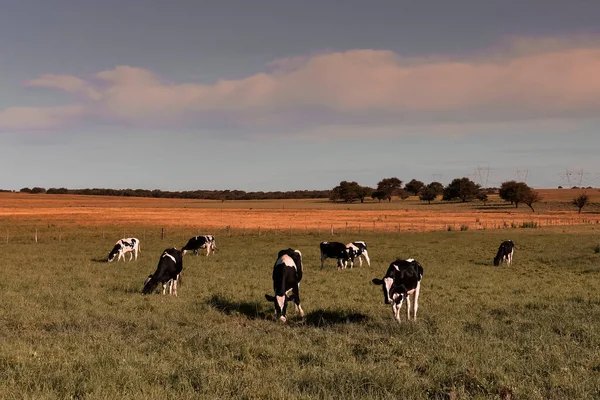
<point>358,250</point>
<point>402,279</point>
<point>123,246</point>
<point>335,250</point>
<point>505,252</point>
<point>200,242</point>
<point>287,274</point>
<point>168,271</point>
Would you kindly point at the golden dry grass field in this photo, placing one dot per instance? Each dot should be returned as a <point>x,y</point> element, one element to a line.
<point>312,214</point>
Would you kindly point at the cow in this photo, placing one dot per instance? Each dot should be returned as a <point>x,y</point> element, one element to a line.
<point>128,245</point>
<point>200,242</point>
<point>335,250</point>
<point>287,274</point>
<point>168,271</point>
<point>358,250</point>
<point>402,279</point>
<point>505,252</point>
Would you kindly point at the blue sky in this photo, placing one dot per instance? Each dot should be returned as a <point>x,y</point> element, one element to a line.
<point>272,95</point>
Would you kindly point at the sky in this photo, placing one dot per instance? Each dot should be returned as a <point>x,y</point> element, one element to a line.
<point>280,95</point>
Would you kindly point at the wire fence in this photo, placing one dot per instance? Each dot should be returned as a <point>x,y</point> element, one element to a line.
<point>44,234</point>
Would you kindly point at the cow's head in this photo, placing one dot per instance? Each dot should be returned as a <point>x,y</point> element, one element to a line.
<point>149,285</point>
<point>113,253</point>
<point>387,284</point>
<point>496,261</point>
<point>280,303</point>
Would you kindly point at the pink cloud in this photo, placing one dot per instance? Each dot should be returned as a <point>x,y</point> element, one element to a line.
<point>557,80</point>
<point>38,118</point>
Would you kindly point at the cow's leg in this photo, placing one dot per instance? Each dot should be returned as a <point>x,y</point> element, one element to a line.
<point>130,255</point>
<point>296,292</point>
<point>416,300</point>
<point>135,252</point>
<point>366,256</point>
<point>408,307</point>
<point>207,250</point>
<point>164,285</point>
<point>510,255</point>
<point>322,260</point>
<point>175,286</point>
<point>360,261</point>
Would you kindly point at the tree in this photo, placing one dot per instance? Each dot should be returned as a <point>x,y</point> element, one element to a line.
<point>437,187</point>
<point>363,192</point>
<point>514,192</point>
<point>461,188</point>
<point>25,190</point>
<point>346,191</point>
<point>389,186</point>
<point>530,197</point>
<point>482,195</point>
<point>378,194</point>
<point>428,194</point>
<point>403,194</point>
<point>38,190</point>
<point>414,186</point>
<point>581,201</point>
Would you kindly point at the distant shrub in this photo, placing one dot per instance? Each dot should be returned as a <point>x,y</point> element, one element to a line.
<point>529,224</point>
<point>597,249</point>
<point>513,225</point>
<point>464,227</point>
<point>450,228</point>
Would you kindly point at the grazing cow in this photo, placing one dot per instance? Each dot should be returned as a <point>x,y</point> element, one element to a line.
<point>358,250</point>
<point>168,271</point>
<point>200,242</point>
<point>287,274</point>
<point>129,245</point>
<point>335,250</point>
<point>402,279</point>
<point>505,252</point>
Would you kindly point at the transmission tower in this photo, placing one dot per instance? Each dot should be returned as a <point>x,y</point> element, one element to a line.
<point>436,177</point>
<point>522,174</point>
<point>484,175</point>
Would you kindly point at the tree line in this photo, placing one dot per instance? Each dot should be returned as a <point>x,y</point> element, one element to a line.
<point>221,195</point>
<point>460,189</point>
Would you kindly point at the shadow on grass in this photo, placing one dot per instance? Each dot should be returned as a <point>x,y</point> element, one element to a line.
<point>226,306</point>
<point>326,318</point>
<point>99,260</point>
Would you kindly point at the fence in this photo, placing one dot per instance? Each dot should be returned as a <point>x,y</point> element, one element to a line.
<point>41,234</point>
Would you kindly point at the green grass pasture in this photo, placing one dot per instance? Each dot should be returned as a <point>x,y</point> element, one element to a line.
<point>74,326</point>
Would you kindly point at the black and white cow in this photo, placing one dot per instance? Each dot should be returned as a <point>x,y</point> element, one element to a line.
<point>168,271</point>
<point>287,274</point>
<point>200,242</point>
<point>335,250</point>
<point>358,250</point>
<point>402,279</point>
<point>505,252</point>
<point>128,245</point>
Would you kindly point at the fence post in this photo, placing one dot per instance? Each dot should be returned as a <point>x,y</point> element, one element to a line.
<point>259,231</point>
<point>144,234</point>
<point>332,230</point>
<point>359,229</point>
<point>346,230</point>
<point>36,235</point>
<point>59,235</point>
<point>162,233</point>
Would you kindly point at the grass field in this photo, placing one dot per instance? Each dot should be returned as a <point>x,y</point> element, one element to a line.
<point>74,326</point>
<point>307,215</point>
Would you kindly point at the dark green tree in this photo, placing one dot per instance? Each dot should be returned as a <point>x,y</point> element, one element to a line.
<point>581,201</point>
<point>463,189</point>
<point>378,195</point>
<point>414,186</point>
<point>428,194</point>
<point>514,192</point>
<point>437,187</point>
<point>390,186</point>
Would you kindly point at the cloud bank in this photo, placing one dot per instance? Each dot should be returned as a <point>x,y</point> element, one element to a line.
<point>556,80</point>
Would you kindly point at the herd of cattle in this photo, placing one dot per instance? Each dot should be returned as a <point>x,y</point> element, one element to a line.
<point>402,278</point>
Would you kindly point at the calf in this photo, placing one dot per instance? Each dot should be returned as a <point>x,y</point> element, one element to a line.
<point>358,250</point>
<point>200,242</point>
<point>287,274</point>
<point>129,245</point>
<point>335,250</point>
<point>168,271</point>
<point>402,279</point>
<point>505,252</point>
